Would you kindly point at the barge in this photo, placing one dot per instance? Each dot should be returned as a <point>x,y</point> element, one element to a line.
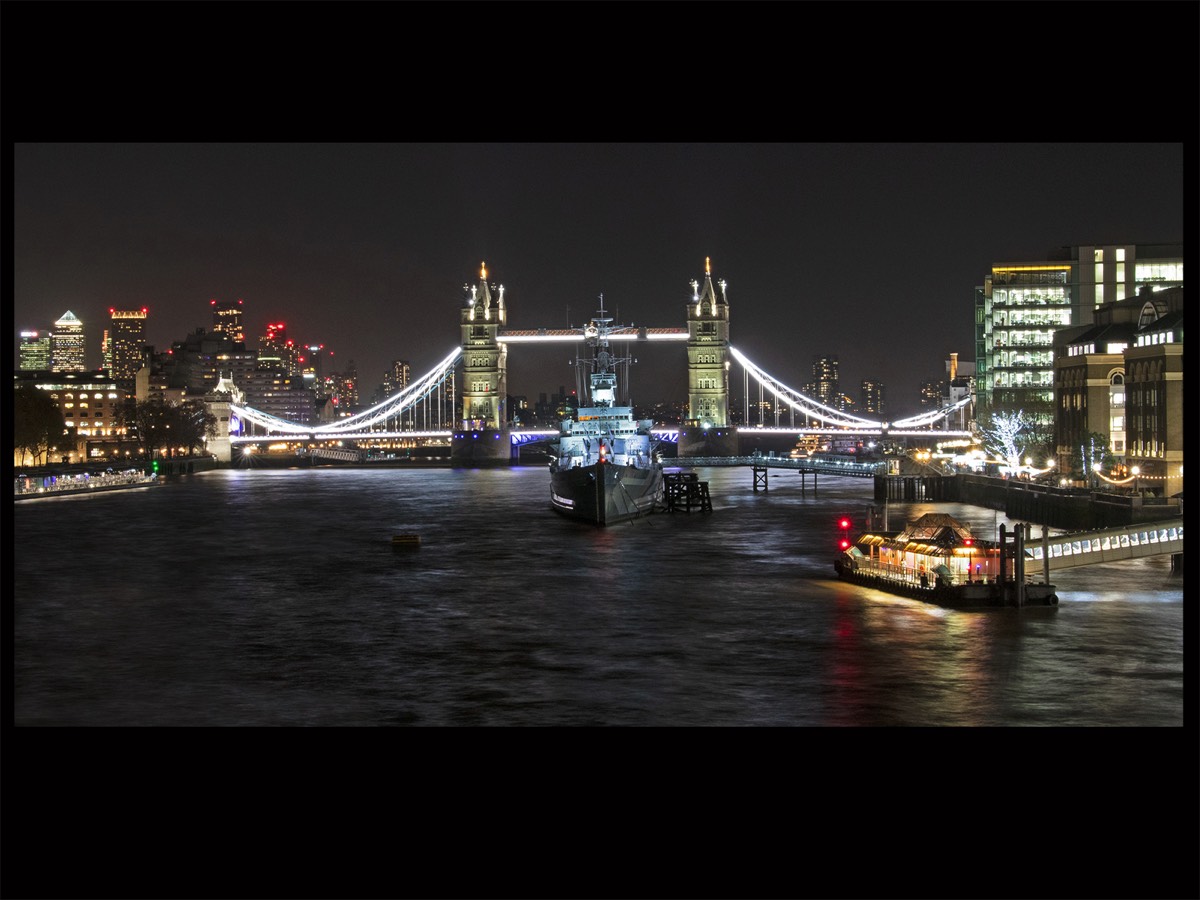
<point>938,560</point>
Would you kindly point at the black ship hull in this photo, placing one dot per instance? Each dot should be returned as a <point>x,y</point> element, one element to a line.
<point>606,494</point>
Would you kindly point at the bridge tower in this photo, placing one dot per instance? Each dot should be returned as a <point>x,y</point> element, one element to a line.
<point>708,431</point>
<point>481,435</point>
<point>218,402</point>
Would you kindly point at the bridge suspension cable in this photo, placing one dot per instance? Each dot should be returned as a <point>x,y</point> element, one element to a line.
<point>827,414</point>
<point>393,407</point>
<point>798,401</point>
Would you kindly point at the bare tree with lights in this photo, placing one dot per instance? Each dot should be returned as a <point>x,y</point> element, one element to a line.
<point>1001,437</point>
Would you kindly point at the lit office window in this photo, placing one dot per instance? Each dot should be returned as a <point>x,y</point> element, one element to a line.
<point>1120,254</point>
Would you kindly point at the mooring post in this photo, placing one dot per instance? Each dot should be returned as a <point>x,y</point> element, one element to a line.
<point>1045,554</point>
<point>1019,564</point>
<point>1000,575</point>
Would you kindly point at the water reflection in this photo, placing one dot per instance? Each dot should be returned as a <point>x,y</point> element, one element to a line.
<point>275,597</point>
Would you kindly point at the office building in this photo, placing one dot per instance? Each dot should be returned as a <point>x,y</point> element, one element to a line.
<point>824,387</point>
<point>91,404</point>
<point>872,400</point>
<point>1119,384</point>
<point>227,319</point>
<point>276,351</point>
<point>201,359</point>
<point>33,355</point>
<point>1021,306</point>
<point>68,351</point>
<point>276,393</point>
<point>126,343</point>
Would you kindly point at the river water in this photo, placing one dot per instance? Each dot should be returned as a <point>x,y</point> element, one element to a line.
<point>276,597</point>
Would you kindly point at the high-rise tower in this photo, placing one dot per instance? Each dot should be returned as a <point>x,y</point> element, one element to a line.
<point>67,349</point>
<point>826,383</point>
<point>227,319</point>
<point>127,339</point>
<point>34,353</point>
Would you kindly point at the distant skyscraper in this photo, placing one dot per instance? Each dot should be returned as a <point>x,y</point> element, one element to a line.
<point>397,379</point>
<point>126,341</point>
<point>825,380</point>
<point>34,354</point>
<point>68,353</point>
<point>871,396</point>
<point>933,394</point>
<point>227,319</point>
<point>276,351</point>
<point>312,365</point>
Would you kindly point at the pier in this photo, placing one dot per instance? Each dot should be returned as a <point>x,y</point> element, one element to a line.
<point>684,491</point>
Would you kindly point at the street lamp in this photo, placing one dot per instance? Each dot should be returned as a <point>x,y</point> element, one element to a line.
<point>1096,479</point>
<point>1135,470</point>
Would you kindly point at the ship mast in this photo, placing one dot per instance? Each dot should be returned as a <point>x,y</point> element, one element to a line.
<point>603,381</point>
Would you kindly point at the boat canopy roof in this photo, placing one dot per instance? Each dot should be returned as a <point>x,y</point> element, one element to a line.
<point>936,528</point>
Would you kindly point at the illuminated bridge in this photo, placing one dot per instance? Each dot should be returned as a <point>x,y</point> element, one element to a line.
<point>471,381</point>
<point>1082,548</point>
<point>422,403</point>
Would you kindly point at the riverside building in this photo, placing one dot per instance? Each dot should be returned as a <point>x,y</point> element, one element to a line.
<point>1021,306</point>
<point>1122,378</point>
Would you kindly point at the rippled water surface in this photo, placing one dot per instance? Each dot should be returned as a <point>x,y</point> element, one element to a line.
<point>257,597</point>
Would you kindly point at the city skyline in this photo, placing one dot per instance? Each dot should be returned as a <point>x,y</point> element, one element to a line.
<point>864,252</point>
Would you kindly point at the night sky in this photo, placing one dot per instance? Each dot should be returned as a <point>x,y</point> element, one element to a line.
<point>868,252</point>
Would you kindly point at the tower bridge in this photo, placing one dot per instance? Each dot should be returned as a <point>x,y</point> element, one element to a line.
<point>472,380</point>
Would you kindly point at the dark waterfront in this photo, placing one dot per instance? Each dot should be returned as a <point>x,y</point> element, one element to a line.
<point>275,597</point>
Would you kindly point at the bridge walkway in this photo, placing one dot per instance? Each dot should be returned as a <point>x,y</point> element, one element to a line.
<point>820,465</point>
<point>1082,548</point>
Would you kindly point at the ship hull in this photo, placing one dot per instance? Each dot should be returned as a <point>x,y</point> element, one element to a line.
<point>606,494</point>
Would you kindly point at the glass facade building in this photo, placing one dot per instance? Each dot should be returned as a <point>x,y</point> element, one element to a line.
<point>67,349</point>
<point>127,340</point>
<point>34,352</point>
<point>1022,305</point>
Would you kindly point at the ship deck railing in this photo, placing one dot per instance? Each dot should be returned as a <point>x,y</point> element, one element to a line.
<point>910,576</point>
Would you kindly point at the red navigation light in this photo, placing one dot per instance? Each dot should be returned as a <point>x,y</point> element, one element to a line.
<point>844,523</point>
<point>968,541</point>
<point>844,544</point>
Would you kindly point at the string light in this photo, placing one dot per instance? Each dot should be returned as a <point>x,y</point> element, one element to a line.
<point>1130,479</point>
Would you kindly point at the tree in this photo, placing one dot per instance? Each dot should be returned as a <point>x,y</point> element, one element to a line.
<point>38,423</point>
<point>1000,437</point>
<point>1091,452</point>
<point>158,424</point>
<point>194,425</point>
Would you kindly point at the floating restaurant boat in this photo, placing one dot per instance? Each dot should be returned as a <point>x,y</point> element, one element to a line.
<point>605,468</point>
<point>40,487</point>
<point>937,559</point>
